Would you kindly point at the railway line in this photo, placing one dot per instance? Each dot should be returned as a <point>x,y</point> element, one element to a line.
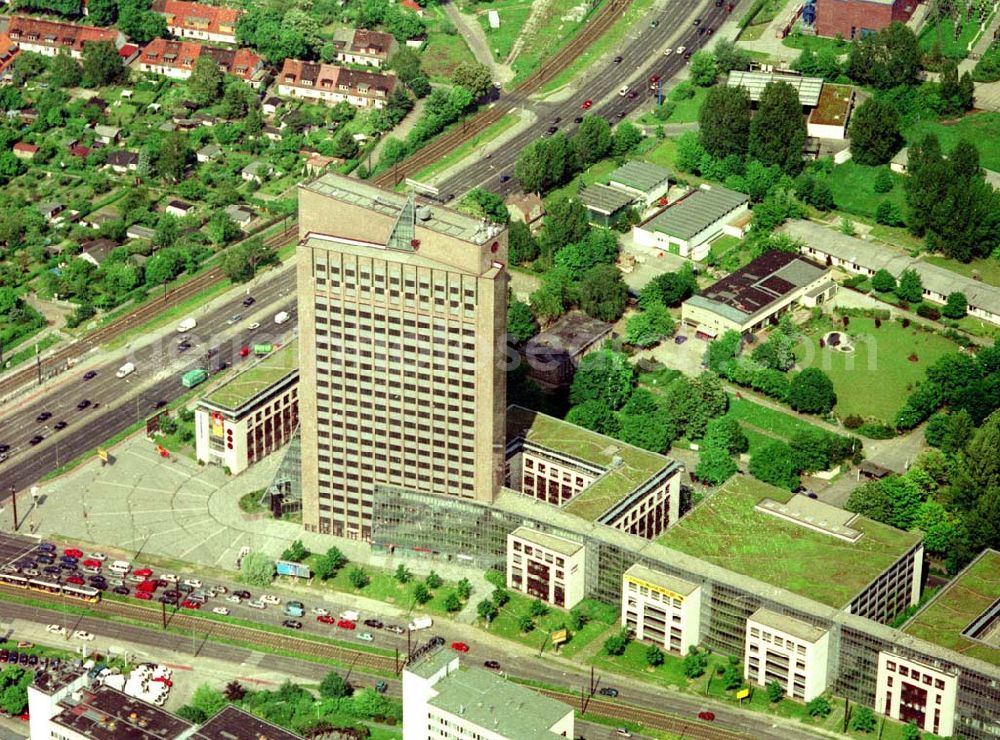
<point>64,357</point>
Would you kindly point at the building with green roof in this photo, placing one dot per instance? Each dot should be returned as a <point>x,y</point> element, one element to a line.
<point>252,414</point>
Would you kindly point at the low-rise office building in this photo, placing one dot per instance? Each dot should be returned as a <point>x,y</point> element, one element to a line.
<point>754,82</point>
<point>251,415</point>
<point>758,295</point>
<point>660,608</point>
<point>91,713</point>
<point>687,226</point>
<point>330,84</point>
<point>443,700</point>
<point>831,116</point>
<point>605,204</point>
<point>787,650</point>
<point>546,567</point>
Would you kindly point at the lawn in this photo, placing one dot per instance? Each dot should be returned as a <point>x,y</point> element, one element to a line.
<point>728,531</point>
<point>979,128</point>
<point>608,40</point>
<point>442,54</point>
<point>943,33</point>
<point>771,422</point>
<point>987,270</point>
<point>382,586</point>
<point>601,618</point>
<point>880,360</point>
<point>513,14</point>
<point>685,110</point>
<point>461,152</point>
<point>550,32</point>
<point>853,187</point>
<point>796,40</point>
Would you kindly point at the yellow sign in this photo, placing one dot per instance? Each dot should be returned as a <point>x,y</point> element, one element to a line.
<point>103,454</point>
<point>657,589</point>
<point>743,693</point>
<point>559,637</point>
<point>217,429</point>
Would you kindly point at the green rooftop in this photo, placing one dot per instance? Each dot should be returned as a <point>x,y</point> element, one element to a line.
<point>963,601</point>
<point>637,465</point>
<point>236,392</point>
<point>728,531</point>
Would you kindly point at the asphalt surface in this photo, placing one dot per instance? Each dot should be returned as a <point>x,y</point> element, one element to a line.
<point>641,58</point>
<point>117,403</point>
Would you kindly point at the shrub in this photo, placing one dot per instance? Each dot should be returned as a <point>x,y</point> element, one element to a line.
<point>616,644</point>
<point>928,312</point>
<point>876,430</point>
<point>853,421</point>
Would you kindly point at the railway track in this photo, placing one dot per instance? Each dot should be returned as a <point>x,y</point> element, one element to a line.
<point>649,718</point>
<point>551,67</point>
<point>61,358</point>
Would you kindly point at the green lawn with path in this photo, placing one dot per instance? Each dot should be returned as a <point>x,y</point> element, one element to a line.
<point>513,14</point>
<point>762,424</point>
<point>549,34</point>
<point>980,128</point>
<point>880,361</point>
<point>601,618</point>
<point>442,54</point>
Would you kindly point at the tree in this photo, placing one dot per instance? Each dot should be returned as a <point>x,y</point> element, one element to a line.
<point>333,686</point>
<point>811,391</point>
<point>732,674</point>
<point>264,28</point>
<point>222,229</point>
<point>911,287</point>
<point>724,122</point>
<point>862,719</point>
<point>421,594</point>
<point>64,71</point>
<point>566,222</point>
<point>778,130</point>
<point>500,597</point>
<point>715,466</point>
<point>538,608</point>
<point>173,158</point>
<point>102,12</point>
<point>358,578</point>
<point>521,324</point>
<point>206,82</point>
<point>452,603</point>
<point>139,23</point>
<point>344,145</point>
<point>474,77</point>
<point>626,138</point>
<point>525,624</point>
<point>433,580</point>
<point>192,714</point>
<point>874,132</point>
<point>296,553</point>
<point>911,731</point>
<point>616,644</point>
<point>722,350</point>
<point>592,139</point>
<point>605,376</point>
<point>654,656</point>
<point>652,432</point>
<point>649,327</point>
<point>521,244</point>
<point>883,281</point>
<point>486,610</point>
<point>885,60</point>
<point>729,56</point>
<point>406,64</point>
<point>402,573</point>
<point>595,416</point>
<point>482,203</point>
<point>256,569</point>
<point>102,65</point>
<point>774,463</point>
<point>818,707</point>
<point>727,433</point>
<point>669,288</point>
<point>956,307</point>
<point>702,68</point>
<point>694,663</point>
<point>464,589</point>
<point>775,692</point>
<point>234,691</point>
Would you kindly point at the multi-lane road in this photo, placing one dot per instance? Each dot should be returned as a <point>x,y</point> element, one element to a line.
<point>115,403</point>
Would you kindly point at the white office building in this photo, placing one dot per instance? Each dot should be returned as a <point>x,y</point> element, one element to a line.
<point>787,650</point>
<point>660,608</point>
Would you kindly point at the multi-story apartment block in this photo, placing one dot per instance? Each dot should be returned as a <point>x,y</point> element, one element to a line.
<point>442,701</point>
<point>176,59</point>
<point>331,84</point>
<point>546,567</point>
<point>187,20</point>
<point>50,38</point>
<point>402,319</point>
<point>661,608</point>
<point>252,414</point>
<point>360,46</point>
<point>787,650</point>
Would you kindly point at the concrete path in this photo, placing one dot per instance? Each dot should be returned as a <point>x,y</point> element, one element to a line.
<point>399,132</point>
<point>982,44</point>
<point>476,38</point>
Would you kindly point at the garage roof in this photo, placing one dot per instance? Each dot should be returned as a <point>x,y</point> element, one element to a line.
<point>690,216</point>
<point>808,88</point>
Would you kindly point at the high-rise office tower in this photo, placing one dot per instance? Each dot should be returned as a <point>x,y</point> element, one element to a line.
<point>402,326</point>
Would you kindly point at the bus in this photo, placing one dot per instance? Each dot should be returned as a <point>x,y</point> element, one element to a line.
<point>262,349</point>
<point>193,377</point>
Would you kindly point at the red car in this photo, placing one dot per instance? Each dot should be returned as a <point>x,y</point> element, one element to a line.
<point>663,201</point>
<point>244,351</point>
<point>346,624</point>
<point>188,604</point>
<point>144,595</point>
<point>149,586</point>
<point>91,563</point>
<point>75,580</point>
<point>586,104</point>
<point>707,716</point>
<point>144,572</point>
<point>460,647</point>
<point>326,619</point>
<point>73,552</point>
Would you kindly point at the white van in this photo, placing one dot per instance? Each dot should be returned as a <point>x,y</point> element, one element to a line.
<point>127,369</point>
<point>186,325</point>
<point>421,623</point>
<point>281,318</point>
<point>350,616</point>
<point>120,567</point>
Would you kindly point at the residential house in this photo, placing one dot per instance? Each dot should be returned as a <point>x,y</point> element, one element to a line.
<point>50,211</point>
<point>49,37</point>
<point>123,162</point>
<point>205,119</point>
<point>179,208</point>
<point>188,20</point>
<point>80,151</point>
<point>317,163</point>
<point>360,46</point>
<point>241,215</point>
<point>527,208</point>
<point>270,105</point>
<point>107,134</point>
<point>412,5</point>
<point>128,53</point>
<point>208,153</point>
<point>272,132</point>
<point>257,171</point>
<point>24,150</point>
<point>8,52</point>
<point>97,250</point>
<point>176,59</point>
<point>96,219</point>
<point>331,84</point>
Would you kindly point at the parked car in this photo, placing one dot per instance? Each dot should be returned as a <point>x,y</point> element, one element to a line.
<point>706,716</point>
<point>608,691</point>
<point>320,611</point>
<point>346,624</point>
<point>143,572</point>
<point>374,624</point>
<point>221,611</point>
<point>193,582</point>
<point>492,664</point>
<point>242,594</point>
<point>395,629</point>
<point>122,590</point>
<point>460,647</point>
<point>381,687</point>
<point>169,577</point>
<point>365,636</point>
<point>144,595</point>
<point>56,629</point>
<point>257,604</point>
<point>292,624</point>
<point>326,619</point>
<point>83,635</point>
<point>270,599</point>
<point>188,604</point>
<point>234,599</point>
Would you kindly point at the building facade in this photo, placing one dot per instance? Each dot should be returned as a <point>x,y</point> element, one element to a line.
<point>545,567</point>
<point>361,46</point>
<point>853,19</point>
<point>330,84</point>
<point>176,59</point>
<point>661,609</point>
<point>787,650</point>
<point>187,20</point>
<point>914,691</point>
<point>402,324</point>
<point>50,38</point>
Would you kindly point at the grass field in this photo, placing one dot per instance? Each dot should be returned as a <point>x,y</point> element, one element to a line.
<point>384,587</point>
<point>728,531</point>
<point>943,33</point>
<point>762,424</point>
<point>979,128</point>
<point>987,270</point>
<point>685,111</point>
<point>442,54</point>
<point>853,187</point>
<point>513,14</point>
<point>601,618</point>
<point>549,34</point>
<point>816,43</point>
<point>880,360</point>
